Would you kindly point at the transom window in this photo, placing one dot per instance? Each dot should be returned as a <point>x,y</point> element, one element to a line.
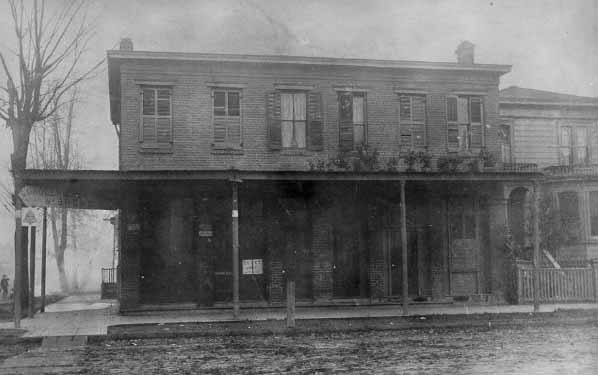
<point>464,118</point>
<point>156,115</point>
<point>226,103</point>
<point>293,119</point>
<point>573,145</point>
<point>352,120</point>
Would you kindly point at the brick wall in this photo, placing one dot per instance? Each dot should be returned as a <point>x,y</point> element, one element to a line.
<point>192,134</point>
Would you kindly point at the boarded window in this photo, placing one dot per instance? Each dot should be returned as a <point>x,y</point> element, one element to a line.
<point>156,119</point>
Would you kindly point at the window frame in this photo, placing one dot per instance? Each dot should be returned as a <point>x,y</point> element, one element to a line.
<point>156,116</point>
<point>226,119</point>
<point>572,147</point>
<point>590,232</point>
<point>364,123</point>
<point>411,123</point>
<point>294,120</point>
<point>454,124</point>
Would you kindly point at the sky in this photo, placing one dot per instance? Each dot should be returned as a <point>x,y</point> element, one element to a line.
<point>551,44</point>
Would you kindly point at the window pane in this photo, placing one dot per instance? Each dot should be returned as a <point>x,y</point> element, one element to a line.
<point>358,109</point>
<point>594,213</point>
<point>163,107</point>
<point>463,110</point>
<point>346,107</point>
<point>300,110</point>
<point>286,106</point>
<point>219,103</point>
<point>476,110</point>
<point>163,94</point>
<point>287,133</point>
<point>149,102</point>
<point>451,109</point>
<point>233,104</point>
<point>300,134</point>
<point>405,108</point>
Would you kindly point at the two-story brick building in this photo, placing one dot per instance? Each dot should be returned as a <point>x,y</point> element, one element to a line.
<point>362,180</point>
<point>558,132</point>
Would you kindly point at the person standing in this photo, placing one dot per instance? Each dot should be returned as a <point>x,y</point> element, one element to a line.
<point>4,286</point>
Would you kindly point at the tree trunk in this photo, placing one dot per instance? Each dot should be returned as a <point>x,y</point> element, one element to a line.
<point>60,242</point>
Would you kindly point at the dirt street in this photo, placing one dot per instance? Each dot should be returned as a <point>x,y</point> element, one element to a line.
<point>518,350</point>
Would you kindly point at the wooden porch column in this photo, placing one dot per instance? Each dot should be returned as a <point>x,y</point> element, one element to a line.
<point>43,276</point>
<point>536,240</point>
<point>31,311</point>
<point>404,248</point>
<point>235,217</point>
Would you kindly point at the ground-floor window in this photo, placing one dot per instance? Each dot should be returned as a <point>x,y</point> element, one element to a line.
<point>570,220</point>
<point>594,213</point>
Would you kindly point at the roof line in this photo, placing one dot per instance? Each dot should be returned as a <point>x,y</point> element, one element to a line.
<point>305,60</point>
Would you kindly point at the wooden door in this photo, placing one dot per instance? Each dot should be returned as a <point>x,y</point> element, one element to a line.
<point>464,246</point>
<point>346,265</point>
<point>392,250</point>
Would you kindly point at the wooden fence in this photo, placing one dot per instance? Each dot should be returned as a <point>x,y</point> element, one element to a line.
<point>557,285</point>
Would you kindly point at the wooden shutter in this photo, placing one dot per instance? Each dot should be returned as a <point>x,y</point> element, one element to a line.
<point>163,130</point>
<point>405,125</point>
<point>418,114</point>
<point>345,101</point>
<point>315,123</point>
<point>452,124</point>
<point>273,120</point>
<point>593,144</point>
<point>476,117</point>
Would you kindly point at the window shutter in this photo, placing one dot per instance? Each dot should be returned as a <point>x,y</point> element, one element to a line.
<point>452,125</point>
<point>418,109</point>
<point>219,132</point>
<point>593,146</point>
<point>234,133</point>
<point>315,121</point>
<point>405,128</point>
<point>148,130</point>
<point>345,101</point>
<point>476,116</point>
<point>273,120</point>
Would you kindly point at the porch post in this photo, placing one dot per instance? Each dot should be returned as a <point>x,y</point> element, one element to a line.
<point>43,276</point>
<point>404,248</point>
<point>235,224</point>
<point>536,239</point>
<point>31,311</point>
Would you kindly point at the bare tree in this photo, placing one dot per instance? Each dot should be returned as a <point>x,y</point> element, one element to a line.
<point>42,67</point>
<point>53,147</point>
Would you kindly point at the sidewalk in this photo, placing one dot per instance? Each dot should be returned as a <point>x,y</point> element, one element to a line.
<point>88,315</point>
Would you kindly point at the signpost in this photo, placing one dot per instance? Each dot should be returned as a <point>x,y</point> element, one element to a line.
<point>30,220</point>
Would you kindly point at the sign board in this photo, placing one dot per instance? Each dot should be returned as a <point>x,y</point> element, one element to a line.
<point>253,267</point>
<point>31,217</point>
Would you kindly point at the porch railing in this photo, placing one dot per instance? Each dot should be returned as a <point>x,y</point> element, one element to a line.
<point>572,170</point>
<point>557,285</point>
<point>109,280</point>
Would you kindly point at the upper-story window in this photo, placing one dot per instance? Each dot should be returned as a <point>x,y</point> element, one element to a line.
<point>465,118</point>
<point>594,213</point>
<point>294,119</point>
<point>412,121</point>
<point>227,118</point>
<point>156,115</point>
<point>573,145</point>
<point>352,120</point>
<point>504,133</point>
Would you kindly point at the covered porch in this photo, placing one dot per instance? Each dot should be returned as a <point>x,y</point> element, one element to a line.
<point>230,238</point>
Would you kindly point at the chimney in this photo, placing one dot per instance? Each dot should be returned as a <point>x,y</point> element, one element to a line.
<point>465,53</point>
<point>126,44</point>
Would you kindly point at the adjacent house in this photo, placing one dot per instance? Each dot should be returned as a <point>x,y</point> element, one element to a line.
<point>559,133</point>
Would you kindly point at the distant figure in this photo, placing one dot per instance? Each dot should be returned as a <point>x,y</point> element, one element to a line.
<point>4,286</point>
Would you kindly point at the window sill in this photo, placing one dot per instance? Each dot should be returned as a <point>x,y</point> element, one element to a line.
<point>226,150</point>
<point>295,152</point>
<point>156,148</point>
